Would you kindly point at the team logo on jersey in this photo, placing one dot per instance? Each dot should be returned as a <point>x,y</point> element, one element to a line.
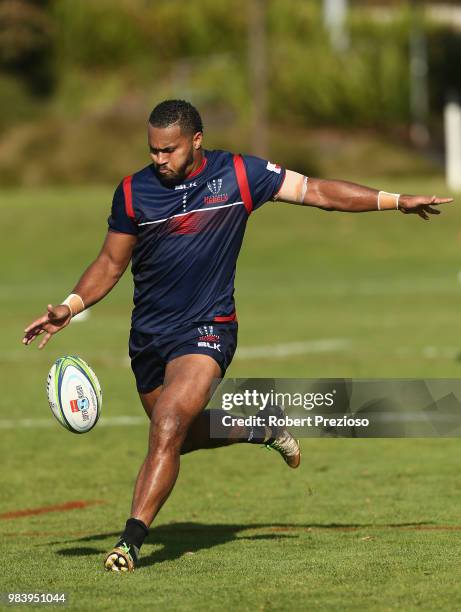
<point>273,167</point>
<point>215,187</point>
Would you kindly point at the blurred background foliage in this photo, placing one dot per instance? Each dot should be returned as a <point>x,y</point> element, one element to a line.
<point>78,79</point>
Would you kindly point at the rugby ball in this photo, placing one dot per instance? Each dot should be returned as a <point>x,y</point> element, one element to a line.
<point>74,394</point>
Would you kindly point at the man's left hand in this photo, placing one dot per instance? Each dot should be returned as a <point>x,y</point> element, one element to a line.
<point>421,205</point>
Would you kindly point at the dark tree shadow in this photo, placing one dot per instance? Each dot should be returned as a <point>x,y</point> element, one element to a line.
<point>178,539</point>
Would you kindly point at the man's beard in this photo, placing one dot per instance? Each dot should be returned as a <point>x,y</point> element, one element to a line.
<point>178,177</point>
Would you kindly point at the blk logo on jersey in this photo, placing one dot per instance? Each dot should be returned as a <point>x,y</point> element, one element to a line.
<point>186,186</point>
<point>217,197</point>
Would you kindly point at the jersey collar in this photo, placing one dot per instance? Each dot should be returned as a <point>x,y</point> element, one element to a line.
<point>197,170</point>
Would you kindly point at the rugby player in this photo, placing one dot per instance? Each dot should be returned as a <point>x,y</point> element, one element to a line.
<point>181,221</point>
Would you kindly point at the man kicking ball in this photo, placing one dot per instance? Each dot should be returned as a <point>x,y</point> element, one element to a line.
<point>181,222</point>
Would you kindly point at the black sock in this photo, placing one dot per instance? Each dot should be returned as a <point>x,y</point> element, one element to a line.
<point>135,532</point>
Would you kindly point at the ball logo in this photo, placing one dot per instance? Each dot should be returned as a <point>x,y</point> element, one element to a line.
<point>81,404</point>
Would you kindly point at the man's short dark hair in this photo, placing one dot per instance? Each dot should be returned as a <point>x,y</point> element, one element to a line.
<point>170,112</point>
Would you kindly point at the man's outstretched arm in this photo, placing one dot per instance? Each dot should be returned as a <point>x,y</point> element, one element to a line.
<point>96,282</point>
<point>351,197</point>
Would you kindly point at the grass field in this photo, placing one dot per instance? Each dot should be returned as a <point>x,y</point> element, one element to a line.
<point>363,525</point>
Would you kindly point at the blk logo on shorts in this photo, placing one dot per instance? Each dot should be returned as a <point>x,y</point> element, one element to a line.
<point>208,339</point>
<point>211,345</point>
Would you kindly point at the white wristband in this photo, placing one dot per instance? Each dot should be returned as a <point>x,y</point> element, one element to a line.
<point>75,304</point>
<point>388,201</point>
<point>304,189</point>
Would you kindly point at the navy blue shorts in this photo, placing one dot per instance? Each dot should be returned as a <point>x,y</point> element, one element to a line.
<point>150,353</point>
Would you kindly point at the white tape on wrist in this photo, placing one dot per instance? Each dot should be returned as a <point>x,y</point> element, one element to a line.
<point>388,201</point>
<point>75,304</point>
<point>304,189</point>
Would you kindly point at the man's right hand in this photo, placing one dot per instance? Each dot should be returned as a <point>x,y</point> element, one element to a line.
<point>96,282</point>
<point>57,318</point>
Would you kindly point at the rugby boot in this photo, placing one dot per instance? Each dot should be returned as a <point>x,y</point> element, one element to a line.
<point>288,448</point>
<point>122,558</point>
<point>282,440</point>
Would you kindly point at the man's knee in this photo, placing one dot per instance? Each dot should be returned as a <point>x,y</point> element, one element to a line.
<point>168,429</point>
<point>176,408</point>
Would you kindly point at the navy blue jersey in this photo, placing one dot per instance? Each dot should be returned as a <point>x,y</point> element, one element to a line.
<point>189,237</point>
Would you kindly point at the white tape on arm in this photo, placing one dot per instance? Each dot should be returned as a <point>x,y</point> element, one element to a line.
<point>293,188</point>
<point>75,304</point>
<point>304,189</point>
<point>388,201</point>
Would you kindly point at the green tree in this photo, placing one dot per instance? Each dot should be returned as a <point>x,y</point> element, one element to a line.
<point>26,43</point>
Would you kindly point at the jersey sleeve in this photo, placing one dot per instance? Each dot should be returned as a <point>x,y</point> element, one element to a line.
<point>119,221</point>
<point>265,179</point>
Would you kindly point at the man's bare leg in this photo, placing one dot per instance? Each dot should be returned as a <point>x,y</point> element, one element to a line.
<point>178,425</point>
<point>198,435</point>
<point>184,394</point>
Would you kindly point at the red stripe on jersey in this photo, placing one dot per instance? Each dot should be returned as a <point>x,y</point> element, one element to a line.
<point>186,224</point>
<point>198,170</point>
<point>242,181</point>
<point>128,196</point>
<point>232,317</point>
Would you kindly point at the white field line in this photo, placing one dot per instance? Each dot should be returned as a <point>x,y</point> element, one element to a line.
<point>327,345</point>
<point>271,351</point>
<point>250,352</point>
<point>359,287</point>
<point>323,345</point>
<point>50,422</point>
